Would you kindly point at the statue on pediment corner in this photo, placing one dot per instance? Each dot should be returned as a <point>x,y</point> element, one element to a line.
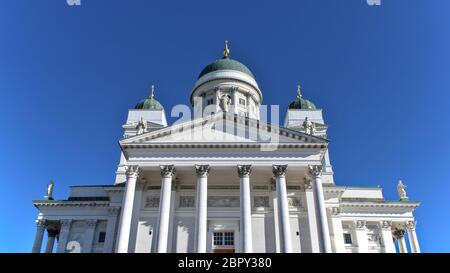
<point>141,126</point>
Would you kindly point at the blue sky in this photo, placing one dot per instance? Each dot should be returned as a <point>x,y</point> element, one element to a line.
<point>69,74</point>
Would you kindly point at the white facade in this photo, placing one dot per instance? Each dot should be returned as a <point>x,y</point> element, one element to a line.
<point>225,182</point>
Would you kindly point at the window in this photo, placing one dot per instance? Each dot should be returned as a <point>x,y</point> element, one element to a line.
<point>223,238</point>
<point>101,237</point>
<point>347,238</point>
<point>242,101</point>
<point>209,101</point>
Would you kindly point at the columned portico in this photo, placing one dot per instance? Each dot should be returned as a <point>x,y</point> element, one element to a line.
<point>316,175</point>
<point>246,209</point>
<point>127,208</point>
<point>167,172</point>
<point>201,210</point>
<point>280,174</point>
<point>40,229</point>
<point>413,242</point>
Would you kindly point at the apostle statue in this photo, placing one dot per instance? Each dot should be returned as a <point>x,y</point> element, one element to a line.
<point>309,126</point>
<point>225,102</point>
<point>141,127</point>
<point>401,191</point>
<point>50,186</point>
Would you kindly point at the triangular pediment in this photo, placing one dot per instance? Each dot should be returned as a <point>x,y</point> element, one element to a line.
<point>223,128</point>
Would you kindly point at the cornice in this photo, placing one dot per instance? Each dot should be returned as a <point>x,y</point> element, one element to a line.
<point>64,203</point>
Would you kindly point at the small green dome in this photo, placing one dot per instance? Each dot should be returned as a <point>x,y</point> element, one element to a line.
<point>149,103</point>
<point>225,64</point>
<point>300,102</point>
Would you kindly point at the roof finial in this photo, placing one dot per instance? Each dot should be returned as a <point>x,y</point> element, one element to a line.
<point>152,94</point>
<point>299,94</point>
<point>226,51</point>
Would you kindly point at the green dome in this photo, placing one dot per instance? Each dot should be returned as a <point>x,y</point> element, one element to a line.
<point>301,103</point>
<point>225,64</point>
<point>149,103</point>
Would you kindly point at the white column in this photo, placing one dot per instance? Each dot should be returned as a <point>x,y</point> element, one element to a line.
<point>108,247</point>
<point>50,240</point>
<point>63,235</point>
<point>285,226</point>
<point>235,99</point>
<point>89,235</point>
<point>388,239</point>
<point>314,225</point>
<point>413,242</point>
<point>40,229</point>
<point>338,234</point>
<point>201,209</point>
<point>167,172</point>
<point>276,218</point>
<point>246,208</point>
<point>316,175</point>
<point>140,187</point>
<point>362,240</point>
<point>402,244</point>
<point>127,209</point>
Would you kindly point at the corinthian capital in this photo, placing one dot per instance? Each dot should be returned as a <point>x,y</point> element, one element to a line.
<point>167,170</point>
<point>132,171</point>
<point>411,225</point>
<point>360,224</point>
<point>244,170</point>
<point>202,170</point>
<point>386,225</point>
<point>398,233</point>
<point>91,223</point>
<point>279,170</point>
<point>41,223</point>
<point>113,211</point>
<point>65,223</point>
<point>315,170</point>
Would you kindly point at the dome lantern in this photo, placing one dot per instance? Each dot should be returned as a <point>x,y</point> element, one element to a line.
<point>300,102</point>
<point>150,103</point>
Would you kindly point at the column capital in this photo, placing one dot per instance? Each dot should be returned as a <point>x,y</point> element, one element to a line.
<point>360,224</point>
<point>202,170</point>
<point>315,170</point>
<point>167,170</point>
<point>386,225</point>
<point>113,211</point>
<point>132,171</point>
<point>244,170</point>
<point>91,223</point>
<point>279,170</point>
<point>335,211</point>
<point>398,233</point>
<point>411,225</point>
<point>41,223</point>
<point>65,223</point>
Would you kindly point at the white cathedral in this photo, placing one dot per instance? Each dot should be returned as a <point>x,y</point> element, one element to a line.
<point>225,181</point>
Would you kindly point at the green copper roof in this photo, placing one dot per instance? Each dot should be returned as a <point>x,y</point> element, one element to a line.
<point>225,64</point>
<point>149,103</point>
<point>300,102</point>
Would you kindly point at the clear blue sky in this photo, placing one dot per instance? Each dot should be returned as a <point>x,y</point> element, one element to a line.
<point>68,75</point>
